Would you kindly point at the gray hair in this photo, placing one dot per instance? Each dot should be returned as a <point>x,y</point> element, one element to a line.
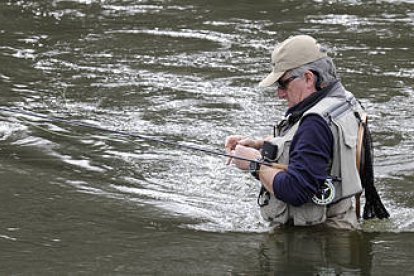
<point>324,68</point>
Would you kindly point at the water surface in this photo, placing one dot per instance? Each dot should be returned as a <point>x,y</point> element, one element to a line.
<point>80,200</point>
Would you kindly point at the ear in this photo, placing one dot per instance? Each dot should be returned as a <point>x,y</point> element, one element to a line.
<point>310,79</point>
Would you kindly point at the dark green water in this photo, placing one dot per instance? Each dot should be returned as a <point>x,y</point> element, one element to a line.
<point>76,200</point>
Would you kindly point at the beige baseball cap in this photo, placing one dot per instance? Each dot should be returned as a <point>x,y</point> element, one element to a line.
<point>292,53</point>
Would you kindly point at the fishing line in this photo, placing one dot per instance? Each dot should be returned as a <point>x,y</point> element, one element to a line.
<point>50,131</point>
<point>126,134</point>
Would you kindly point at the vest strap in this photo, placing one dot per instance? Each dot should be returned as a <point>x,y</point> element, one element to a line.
<point>338,109</point>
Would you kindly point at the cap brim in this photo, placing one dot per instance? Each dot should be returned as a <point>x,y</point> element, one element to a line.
<point>271,79</point>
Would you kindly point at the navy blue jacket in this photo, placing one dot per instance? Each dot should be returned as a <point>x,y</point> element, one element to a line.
<point>309,156</point>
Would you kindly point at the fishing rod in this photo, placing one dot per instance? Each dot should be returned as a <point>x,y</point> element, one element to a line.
<point>138,136</point>
<point>324,198</point>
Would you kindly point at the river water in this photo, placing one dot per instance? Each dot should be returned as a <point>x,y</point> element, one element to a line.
<point>78,200</point>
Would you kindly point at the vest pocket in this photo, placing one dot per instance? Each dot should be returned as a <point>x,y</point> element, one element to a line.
<point>308,214</point>
<point>340,208</point>
<point>346,151</point>
<point>348,130</point>
<point>275,211</point>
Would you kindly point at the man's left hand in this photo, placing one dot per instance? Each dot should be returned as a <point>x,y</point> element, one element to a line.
<point>244,152</point>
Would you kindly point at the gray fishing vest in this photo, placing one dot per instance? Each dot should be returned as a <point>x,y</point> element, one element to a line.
<point>341,111</point>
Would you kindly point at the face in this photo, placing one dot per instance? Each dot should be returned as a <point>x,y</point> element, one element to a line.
<point>295,88</point>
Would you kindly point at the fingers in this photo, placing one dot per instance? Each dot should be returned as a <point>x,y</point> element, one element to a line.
<point>229,148</point>
<point>233,141</point>
<point>247,142</point>
<point>252,143</point>
<point>230,144</point>
<point>229,160</point>
<point>247,153</point>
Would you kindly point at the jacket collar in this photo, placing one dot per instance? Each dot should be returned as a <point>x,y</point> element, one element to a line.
<point>294,113</point>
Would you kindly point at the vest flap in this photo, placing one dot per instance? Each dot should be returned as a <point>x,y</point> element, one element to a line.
<point>349,130</point>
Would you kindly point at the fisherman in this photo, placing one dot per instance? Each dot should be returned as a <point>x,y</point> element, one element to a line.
<point>317,139</point>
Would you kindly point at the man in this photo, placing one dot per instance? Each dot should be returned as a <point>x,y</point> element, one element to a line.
<point>317,140</point>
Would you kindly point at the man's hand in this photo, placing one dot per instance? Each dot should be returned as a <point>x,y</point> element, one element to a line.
<point>234,140</point>
<point>244,152</point>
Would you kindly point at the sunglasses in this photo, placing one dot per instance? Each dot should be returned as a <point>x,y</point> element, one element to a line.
<point>283,84</point>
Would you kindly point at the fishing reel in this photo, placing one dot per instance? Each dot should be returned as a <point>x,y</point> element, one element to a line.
<point>326,194</point>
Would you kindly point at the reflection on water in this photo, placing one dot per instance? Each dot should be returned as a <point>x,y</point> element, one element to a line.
<point>185,72</point>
